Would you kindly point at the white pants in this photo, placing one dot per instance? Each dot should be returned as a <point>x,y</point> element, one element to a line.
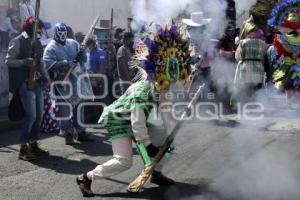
<point>121,161</point>
<point>122,155</point>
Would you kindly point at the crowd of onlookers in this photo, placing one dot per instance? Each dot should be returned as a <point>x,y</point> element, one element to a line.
<point>10,25</point>
<point>35,106</point>
<point>8,29</point>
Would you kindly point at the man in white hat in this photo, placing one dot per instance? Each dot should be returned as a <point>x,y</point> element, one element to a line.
<point>201,46</point>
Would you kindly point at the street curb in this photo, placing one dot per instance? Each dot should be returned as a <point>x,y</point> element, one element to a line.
<point>6,125</point>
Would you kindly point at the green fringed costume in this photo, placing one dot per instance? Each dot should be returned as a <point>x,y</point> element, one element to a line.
<point>116,117</point>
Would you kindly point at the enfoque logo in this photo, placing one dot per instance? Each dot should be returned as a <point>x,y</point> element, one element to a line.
<point>202,111</point>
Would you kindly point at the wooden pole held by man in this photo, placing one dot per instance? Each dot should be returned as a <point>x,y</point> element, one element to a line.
<point>32,72</point>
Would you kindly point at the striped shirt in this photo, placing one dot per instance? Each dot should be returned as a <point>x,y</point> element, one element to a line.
<point>250,55</point>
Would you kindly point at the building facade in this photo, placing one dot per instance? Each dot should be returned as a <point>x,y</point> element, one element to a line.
<point>80,14</point>
<point>4,4</point>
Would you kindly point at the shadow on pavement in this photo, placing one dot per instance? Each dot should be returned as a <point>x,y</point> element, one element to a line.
<point>179,191</point>
<point>101,146</point>
<point>12,137</point>
<point>226,123</point>
<point>65,166</point>
<point>77,161</point>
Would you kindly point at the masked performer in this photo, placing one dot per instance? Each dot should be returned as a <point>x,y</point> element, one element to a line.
<point>286,54</point>
<point>60,55</point>
<point>166,62</point>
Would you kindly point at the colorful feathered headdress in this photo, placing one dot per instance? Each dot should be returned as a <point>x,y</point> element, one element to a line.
<point>164,54</point>
<point>286,14</point>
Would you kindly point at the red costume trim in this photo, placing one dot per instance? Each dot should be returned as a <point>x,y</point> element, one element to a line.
<point>280,50</point>
<point>291,25</point>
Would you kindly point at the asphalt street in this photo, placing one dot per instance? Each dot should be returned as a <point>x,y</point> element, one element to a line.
<point>214,160</point>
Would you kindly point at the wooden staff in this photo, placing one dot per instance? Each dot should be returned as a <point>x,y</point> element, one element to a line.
<point>89,33</point>
<point>87,36</point>
<point>32,72</point>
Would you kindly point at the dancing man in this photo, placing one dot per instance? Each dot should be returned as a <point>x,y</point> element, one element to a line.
<point>158,66</point>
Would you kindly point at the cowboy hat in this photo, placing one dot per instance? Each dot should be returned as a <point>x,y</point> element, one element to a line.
<point>197,20</point>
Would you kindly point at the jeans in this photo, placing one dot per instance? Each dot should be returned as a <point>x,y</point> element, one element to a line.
<point>32,101</point>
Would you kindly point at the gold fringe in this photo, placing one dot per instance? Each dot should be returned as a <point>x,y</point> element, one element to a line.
<point>138,183</point>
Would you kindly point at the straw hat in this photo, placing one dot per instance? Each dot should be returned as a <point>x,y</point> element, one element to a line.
<point>197,19</point>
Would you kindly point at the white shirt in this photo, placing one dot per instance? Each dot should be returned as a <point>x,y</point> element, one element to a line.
<point>25,35</point>
<point>26,10</point>
<point>159,129</point>
<point>138,124</point>
<point>6,26</point>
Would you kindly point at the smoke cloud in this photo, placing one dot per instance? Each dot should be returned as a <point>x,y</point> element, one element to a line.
<point>162,11</point>
<point>265,167</point>
<point>244,5</point>
<point>262,171</point>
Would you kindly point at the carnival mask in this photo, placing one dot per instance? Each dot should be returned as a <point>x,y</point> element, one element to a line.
<point>291,28</point>
<point>293,39</point>
<point>60,33</point>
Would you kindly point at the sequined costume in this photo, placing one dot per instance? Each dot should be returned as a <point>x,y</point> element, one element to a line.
<point>286,53</point>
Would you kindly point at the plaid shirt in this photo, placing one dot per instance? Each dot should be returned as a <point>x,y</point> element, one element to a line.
<point>250,55</point>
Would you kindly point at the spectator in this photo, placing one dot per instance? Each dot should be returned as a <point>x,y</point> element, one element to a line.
<point>118,38</point>
<point>97,66</point>
<point>45,38</point>
<point>227,44</point>
<point>224,81</point>
<point>123,58</point>
<point>112,72</point>
<point>19,59</point>
<point>79,37</point>
<point>26,10</point>
<point>6,27</point>
<point>70,33</point>
<point>96,57</point>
